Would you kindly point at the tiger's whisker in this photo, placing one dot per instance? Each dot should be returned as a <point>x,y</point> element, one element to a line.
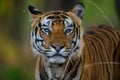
<point>100,63</point>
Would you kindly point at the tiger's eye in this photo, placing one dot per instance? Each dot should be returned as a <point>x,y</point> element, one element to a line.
<point>46,30</point>
<point>68,31</point>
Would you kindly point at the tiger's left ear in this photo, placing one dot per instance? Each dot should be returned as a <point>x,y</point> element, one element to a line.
<point>79,10</point>
<point>33,12</point>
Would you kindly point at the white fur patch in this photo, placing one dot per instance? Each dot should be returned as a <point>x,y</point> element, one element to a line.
<point>68,22</point>
<point>57,59</point>
<point>47,22</point>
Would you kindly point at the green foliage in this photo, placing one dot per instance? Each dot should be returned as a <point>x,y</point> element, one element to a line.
<point>100,12</point>
<point>4,7</point>
<point>13,74</point>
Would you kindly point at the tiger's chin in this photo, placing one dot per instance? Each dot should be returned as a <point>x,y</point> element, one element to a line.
<point>57,60</point>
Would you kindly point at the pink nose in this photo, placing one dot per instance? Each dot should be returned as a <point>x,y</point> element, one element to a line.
<point>57,46</point>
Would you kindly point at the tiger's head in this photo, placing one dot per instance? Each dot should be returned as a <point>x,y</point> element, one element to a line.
<point>57,35</point>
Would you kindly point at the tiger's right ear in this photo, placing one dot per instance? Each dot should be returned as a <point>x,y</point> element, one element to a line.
<point>33,12</point>
<point>79,10</point>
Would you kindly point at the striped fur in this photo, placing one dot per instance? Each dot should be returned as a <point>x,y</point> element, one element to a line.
<point>100,57</point>
<point>66,52</point>
<point>101,53</point>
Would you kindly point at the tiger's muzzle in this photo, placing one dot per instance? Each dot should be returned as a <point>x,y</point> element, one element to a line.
<point>57,53</point>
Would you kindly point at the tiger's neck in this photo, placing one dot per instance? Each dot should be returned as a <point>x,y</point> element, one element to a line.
<point>65,71</point>
<point>56,71</point>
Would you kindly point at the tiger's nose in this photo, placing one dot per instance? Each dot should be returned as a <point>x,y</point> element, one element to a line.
<point>58,46</point>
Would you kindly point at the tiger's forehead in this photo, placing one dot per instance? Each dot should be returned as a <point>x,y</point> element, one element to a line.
<point>56,17</point>
<point>60,14</point>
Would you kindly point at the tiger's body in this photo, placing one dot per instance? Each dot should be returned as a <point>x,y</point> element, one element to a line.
<point>102,45</point>
<point>66,52</point>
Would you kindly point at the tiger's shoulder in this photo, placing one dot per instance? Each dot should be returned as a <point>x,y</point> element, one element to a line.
<point>102,30</point>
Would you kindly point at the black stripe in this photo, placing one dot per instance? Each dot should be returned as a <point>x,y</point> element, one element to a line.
<point>43,76</point>
<point>63,16</point>
<point>77,33</point>
<point>39,24</point>
<point>51,17</point>
<point>72,69</point>
<point>36,29</point>
<point>76,69</point>
<point>36,48</point>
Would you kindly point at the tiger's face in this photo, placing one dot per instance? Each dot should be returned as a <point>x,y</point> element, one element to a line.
<point>55,35</point>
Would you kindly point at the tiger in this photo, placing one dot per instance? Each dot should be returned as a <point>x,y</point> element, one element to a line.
<point>66,51</point>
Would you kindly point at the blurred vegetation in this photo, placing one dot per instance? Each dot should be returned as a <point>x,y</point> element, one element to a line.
<point>16,59</point>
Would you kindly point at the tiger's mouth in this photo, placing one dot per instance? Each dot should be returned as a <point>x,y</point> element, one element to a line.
<point>57,57</point>
<point>54,53</point>
<point>57,54</point>
<point>62,55</point>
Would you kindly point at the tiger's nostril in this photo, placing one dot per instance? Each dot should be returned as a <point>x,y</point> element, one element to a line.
<point>58,46</point>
